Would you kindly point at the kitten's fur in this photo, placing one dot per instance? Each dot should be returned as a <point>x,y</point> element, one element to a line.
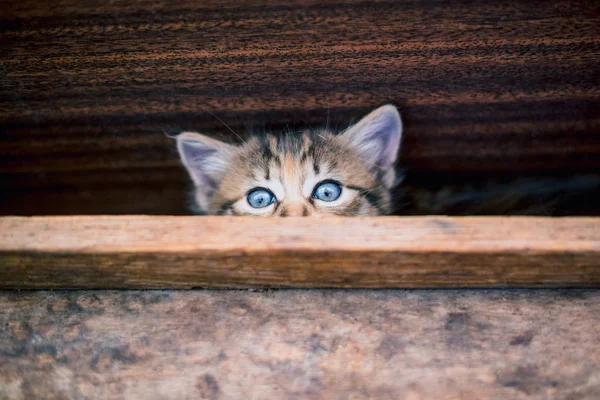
<point>362,160</point>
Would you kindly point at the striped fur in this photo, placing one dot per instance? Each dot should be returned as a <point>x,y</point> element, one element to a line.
<point>291,165</point>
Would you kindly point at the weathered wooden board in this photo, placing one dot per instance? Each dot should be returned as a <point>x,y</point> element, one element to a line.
<point>187,252</point>
<point>87,88</point>
<point>315,344</point>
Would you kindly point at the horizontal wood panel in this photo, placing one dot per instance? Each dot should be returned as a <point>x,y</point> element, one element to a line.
<point>288,344</point>
<point>86,90</point>
<point>187,252</point>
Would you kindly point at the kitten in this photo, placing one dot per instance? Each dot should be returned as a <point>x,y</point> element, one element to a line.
<point>309,173</point>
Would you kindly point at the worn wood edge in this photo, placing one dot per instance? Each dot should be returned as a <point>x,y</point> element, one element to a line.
<point>165,234</point>
<point>220,252</point>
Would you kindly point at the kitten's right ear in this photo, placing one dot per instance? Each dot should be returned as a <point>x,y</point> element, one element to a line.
<point>206,160</point>
<point>377,137</point>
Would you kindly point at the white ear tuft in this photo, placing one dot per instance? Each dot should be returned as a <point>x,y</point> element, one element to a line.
<point>377,137</point>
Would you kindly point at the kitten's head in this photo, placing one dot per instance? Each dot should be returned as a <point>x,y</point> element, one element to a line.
<point>310,173</point>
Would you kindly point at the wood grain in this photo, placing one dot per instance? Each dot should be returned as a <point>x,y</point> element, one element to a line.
<point>188,252</point>
<point>317,344</point>
<point>86,89</point>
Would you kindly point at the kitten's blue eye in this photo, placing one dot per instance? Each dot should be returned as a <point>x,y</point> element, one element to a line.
<point>328,191</point>
<point>260,198</point>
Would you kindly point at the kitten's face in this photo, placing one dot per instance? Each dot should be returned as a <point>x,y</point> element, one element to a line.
<point>310,173</point>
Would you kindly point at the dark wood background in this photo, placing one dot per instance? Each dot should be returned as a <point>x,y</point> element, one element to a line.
<point>86,91</point>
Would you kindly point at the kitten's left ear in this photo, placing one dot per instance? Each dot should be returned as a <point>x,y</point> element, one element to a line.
<point>377,137</point>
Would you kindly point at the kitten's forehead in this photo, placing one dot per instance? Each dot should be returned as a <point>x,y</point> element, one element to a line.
<point>290,148</point>
<point>294,143</point>
<point>293,157</point>
<point>291,166</point>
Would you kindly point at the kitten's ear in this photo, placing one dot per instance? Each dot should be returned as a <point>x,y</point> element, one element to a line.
<point>377,137</point>
<point>206,160</point>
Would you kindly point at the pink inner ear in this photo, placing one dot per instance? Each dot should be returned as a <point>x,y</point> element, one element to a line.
<point>196,158</point>
<point>390,137</point>
<point>378,139</point>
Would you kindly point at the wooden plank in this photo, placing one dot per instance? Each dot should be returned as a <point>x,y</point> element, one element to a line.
<point>289,344</point>
<point>86,89</point>
<point>187,252</point>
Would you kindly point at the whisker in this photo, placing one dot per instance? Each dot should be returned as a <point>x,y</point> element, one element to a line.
<point>350,125</point>
<point>227,126</point>
<point>327,123</point>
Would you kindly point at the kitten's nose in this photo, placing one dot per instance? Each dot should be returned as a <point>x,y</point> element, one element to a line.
<point>295,210</point>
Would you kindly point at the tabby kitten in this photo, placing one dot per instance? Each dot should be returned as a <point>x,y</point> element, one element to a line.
<point>309,173</point>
